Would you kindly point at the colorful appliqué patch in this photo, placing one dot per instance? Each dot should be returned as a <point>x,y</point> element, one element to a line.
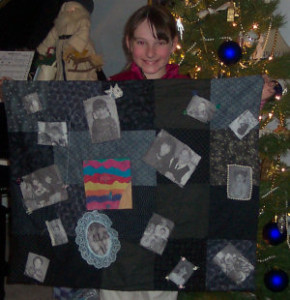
<point>108,184</point>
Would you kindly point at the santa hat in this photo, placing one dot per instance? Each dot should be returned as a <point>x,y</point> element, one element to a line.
<point>87,4</point>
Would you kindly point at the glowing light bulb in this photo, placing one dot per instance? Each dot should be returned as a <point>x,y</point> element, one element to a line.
<point>270,115</point>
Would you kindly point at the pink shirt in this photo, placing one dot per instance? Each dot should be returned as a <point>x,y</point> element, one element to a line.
<point>135,73</point>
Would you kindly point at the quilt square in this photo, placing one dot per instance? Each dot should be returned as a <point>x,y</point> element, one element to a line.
<point>230,265</point>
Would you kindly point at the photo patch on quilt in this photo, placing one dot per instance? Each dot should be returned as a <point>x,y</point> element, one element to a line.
<point>182,272</point>
<point>32,103</point>
<point>56,232</point>
<point>36,266</point>
<point>172,158</point>
<point>243,124</point>
<point>108,184</point>
<point>156,234</point>
<point>233,264</point>
<point>239,182</point>
<point>201,109</point>
<point>52,134</point>
<point>42,188</point>
<point>103,120</point>
<point>98,242</point>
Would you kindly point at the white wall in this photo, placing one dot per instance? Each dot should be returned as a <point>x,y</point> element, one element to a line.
<point>108,20</point>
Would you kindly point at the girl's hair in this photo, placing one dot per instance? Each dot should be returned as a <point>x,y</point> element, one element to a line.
<point>161,21</point>
<point>99,104</point>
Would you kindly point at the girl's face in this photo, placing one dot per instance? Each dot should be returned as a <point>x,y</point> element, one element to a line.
<point>240,179</point>
<point>101,113</point>
<point>149,53</point>
<point>164,149</point>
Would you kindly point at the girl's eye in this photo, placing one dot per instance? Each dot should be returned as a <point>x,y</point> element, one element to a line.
<point>162,43</point>
<point>140,42</point>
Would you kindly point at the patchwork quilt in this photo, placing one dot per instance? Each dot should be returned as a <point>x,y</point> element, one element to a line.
<point>135,185</point>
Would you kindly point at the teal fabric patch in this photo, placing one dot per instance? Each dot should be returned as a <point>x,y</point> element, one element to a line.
<point>132,144</point>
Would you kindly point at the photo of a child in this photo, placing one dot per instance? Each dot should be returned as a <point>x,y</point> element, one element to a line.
<point>156,234</point>
<point>243,124</point>
<point>102,117</point>
<point>200,109</point>
<point>239,185</point>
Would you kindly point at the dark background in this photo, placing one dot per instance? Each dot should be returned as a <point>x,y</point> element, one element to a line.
<point>25,23</point>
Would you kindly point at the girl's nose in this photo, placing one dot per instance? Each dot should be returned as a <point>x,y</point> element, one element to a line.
<point>150,51</point>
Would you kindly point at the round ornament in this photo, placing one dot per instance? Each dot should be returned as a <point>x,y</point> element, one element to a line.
<point>272,234</point>
<point>250,38</point>
<point>276,280</point>
<point>229,52</point>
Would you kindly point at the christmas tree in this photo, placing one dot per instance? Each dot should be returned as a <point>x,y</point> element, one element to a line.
<point>219,39</point>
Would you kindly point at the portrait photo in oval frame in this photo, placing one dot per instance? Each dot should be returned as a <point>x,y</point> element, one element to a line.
<point>98,242</point>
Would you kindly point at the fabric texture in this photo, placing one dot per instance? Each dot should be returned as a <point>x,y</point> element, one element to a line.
<point>209,227</point>
<point>135,73</point>
<point>151,295</point>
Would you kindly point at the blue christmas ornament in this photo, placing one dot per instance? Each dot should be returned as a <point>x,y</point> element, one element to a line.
<point>229,52</point>
<point>276,280</point>
<point>272,234</point>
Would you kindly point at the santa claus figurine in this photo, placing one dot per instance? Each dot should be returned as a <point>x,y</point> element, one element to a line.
<point>75,54</point>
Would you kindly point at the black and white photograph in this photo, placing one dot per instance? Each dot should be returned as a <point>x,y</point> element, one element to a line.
<point>239,185</point>
<point>172,158</point>
<point>233,264</point>
<point>56,232</point>
<point>52,134</point>
<point>182,272</point>
<point>32,103</point>
<point>200,109</point>
<point>102,117</point>
<point>156,233</point>
<point>243,124</point>
<point>36,266</point>
<point>42,188</point>
<point>98,239</point>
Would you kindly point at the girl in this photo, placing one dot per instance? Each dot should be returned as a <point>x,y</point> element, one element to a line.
<point>150,37</point>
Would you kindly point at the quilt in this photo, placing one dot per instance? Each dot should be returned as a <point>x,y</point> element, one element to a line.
<point>134,185</point>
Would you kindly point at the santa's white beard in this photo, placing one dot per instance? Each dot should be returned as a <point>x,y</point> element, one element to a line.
<point>66,18</point>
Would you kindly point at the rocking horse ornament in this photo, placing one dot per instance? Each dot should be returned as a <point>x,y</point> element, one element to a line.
<point>76,58</point>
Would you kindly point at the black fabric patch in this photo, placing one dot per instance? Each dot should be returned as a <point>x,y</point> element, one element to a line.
<point>194,251</point>
<point>67,256</point>
<point>136,107</point>
<point>71,210</point>
<point>133,270</point>
<point>172,99</point>
<point>131,223</point>
<point>26,156</point>
<point>187,207</point>
<point>236,219</point>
